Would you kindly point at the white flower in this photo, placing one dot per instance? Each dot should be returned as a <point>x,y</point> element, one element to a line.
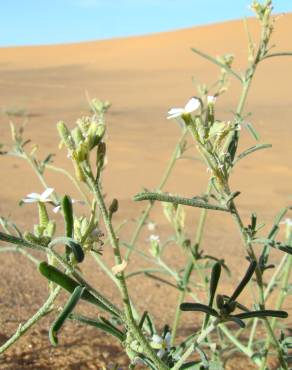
<point>162,344</point>
<point>42,198</point>
<point>287,222</point>
<point>211,99</point>
<point>57,208</point>
<point>192,105</point>
<point>154,238</point>
<point>151,226</point>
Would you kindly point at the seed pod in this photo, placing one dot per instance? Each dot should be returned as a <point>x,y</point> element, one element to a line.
<point>68,216</point>
<point>69,284</point>
<point>68,308</point>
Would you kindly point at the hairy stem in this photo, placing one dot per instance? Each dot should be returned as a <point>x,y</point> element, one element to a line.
<point>23,328</point>
<point>132,325</point>
<point>149,207</point>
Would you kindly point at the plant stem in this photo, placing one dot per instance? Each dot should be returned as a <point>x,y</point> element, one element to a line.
<point>23,328</point>
<point>149,207</point>
<point>72,178</point>
<point>21,251</point>
<point>280,301</point>
<point>259,280</point>
<point>132,325</point>
<point>191,348</point>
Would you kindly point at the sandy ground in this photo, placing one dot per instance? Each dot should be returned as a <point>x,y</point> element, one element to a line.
<point>142,77</point>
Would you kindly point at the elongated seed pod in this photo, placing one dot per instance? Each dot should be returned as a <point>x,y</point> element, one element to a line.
<point>192,202</point>
<point>68,216</point>
<point>68,308</point>
<point>69,284</point>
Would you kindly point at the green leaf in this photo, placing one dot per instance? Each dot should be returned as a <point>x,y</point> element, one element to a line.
<point>198,307</point>
<point>105,326</point>
<point>18,241</point>
<point>244,281</point>
<point>250,150</point>
<point>237,321</point>
<point>68,308</point>
<point>215,276</point>
<point>262,313</point>
<point>252,131</point>
<point>218,63</point>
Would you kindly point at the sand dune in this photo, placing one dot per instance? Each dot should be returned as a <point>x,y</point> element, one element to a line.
<point>143,77</point>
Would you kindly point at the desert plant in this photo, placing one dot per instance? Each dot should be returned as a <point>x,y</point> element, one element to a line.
<point>217,143</point>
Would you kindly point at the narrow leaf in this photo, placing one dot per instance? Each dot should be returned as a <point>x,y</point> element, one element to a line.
<point>68,308</point>
<point>215,276</point>
<point>262,313</point>
<point>198,307</point>
<point>244,281</point>
<point>252,131</point>
<point>237,320</point>
<point>250,150</point>
<point>104,326</point>
<point>217,62</point>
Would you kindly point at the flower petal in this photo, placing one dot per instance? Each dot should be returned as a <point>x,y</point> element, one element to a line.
<point>192,105</point>
<point>29,200</point>
<point>56,209</point>
<point>175,112</point>
<point>160,353</point>
<point>45,195</point>
<point>156,339</point>
<point>167,339</point>
<point>211,99</point>
<point>34,196</point>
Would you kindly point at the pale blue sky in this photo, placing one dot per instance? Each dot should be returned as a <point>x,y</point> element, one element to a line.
<point>33,22</point>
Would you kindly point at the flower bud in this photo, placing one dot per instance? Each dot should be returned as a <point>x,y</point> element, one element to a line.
<point>65,135</point>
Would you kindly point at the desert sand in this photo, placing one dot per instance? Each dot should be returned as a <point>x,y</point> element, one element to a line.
<point>142,77</point>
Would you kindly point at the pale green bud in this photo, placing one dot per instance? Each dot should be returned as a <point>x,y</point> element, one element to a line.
<point>65,135</point>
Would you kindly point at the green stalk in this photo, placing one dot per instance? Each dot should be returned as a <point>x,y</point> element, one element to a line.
<point>23,328</point>
<point>280,301</point>
<point>132,325</point>
<point>191,348</point>
<point>21,251</point>
<point>259,280</point>
<point>72,178</point>
<point>149,207</point>
<point>203,215</point>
